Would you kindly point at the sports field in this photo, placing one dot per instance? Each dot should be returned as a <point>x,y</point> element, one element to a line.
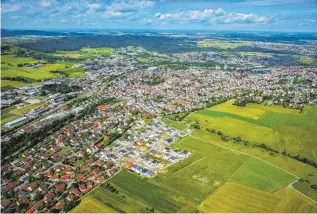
<point>261,175</point>
<point>233,197</point>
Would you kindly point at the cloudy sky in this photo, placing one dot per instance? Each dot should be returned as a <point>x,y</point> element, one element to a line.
<point>266,15</point>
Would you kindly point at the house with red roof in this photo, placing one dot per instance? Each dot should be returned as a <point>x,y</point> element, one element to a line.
<point>69,171</point>
<point>60,187</point>
<point>31,210</point>
<point>32,186</point>
<point>5,203</point>
<point>85,167</point>
<point>54,178</point>
<point>9,186</point>
<point>23,200</point>
<point>100,179</point>
<point>49,197</point>
<point>66,178</point>
<point>70,197</point>
<point>103,108</point>
<point>83,188</point>
<point>81,177</point>
<point>111,172</point>
<point>59,206</point>
<point>90,184</point>
<point>96,170</point>
<point>75,191</point>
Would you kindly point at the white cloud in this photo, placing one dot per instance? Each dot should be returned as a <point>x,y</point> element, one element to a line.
<point>64,20</point>
<point>94,6</point>
<point>45,3</point>
<point>147,21</point>
<point>127,7</point>
<point>9,7</point>
<point>213,16</point>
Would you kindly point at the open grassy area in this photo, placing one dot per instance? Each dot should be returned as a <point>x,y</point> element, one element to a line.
<point>221,44</point>
<point>10,68</point>
<point>96,51</point>
<point>9,83</point>
<point>27,108</point>
<point>233,197</point>
<point>90,205</point>
<point>278,127</point>
<point>70,54</point>
<point>306,60</point>
<point>228,107</point>
<point>6,116</point>
<point>175,124</point>
<point>199,175</point>
<point>305,187</point>
<point>261,175</point>
<point>300,169</point>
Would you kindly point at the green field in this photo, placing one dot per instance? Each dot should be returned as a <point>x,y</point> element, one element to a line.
<point>305,187</point>
<point>198,182</point>
<point>199,175</point>
<point>221,44</point>
<point>9,83</point>
<point>306,60</point>
<point>91,205</point>
<point>278,127</point>
<point>238,198</point>
<point>27,108</point>
<point>10,68</point>
<point>175,124</point>
<point>228,107</point>
<point>183,187</point>
<point>96,51</point>
<point>7,116</point>
<point>261,175</point>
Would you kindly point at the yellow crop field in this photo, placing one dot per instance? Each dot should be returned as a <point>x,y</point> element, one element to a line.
<point>51,67</point>
<point>234,197</point>
<point>90,205</point>
<point>237,110</point>
<point>275,108</point>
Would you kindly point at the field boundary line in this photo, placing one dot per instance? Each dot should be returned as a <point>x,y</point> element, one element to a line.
<point>233,150</point>
<point>259,159</point>
<point>88,193</point>
<point>304,195</point>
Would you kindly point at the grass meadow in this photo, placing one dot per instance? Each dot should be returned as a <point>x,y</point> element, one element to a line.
<point>261,175</point>
<point>233,197</point>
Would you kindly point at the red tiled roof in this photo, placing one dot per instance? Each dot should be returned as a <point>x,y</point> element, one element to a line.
<point>66,178</point>
<point>96,170</point>
<point>85,167</point>
<point>75,191</point>
<point>81,177</point>
<point>26,128</point>
<point>103,108</point>
<point>31,210</point>
<point>60,187</point>
<point>69,171</point>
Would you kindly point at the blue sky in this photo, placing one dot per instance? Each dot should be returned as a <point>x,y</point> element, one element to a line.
<point>246,15</point>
